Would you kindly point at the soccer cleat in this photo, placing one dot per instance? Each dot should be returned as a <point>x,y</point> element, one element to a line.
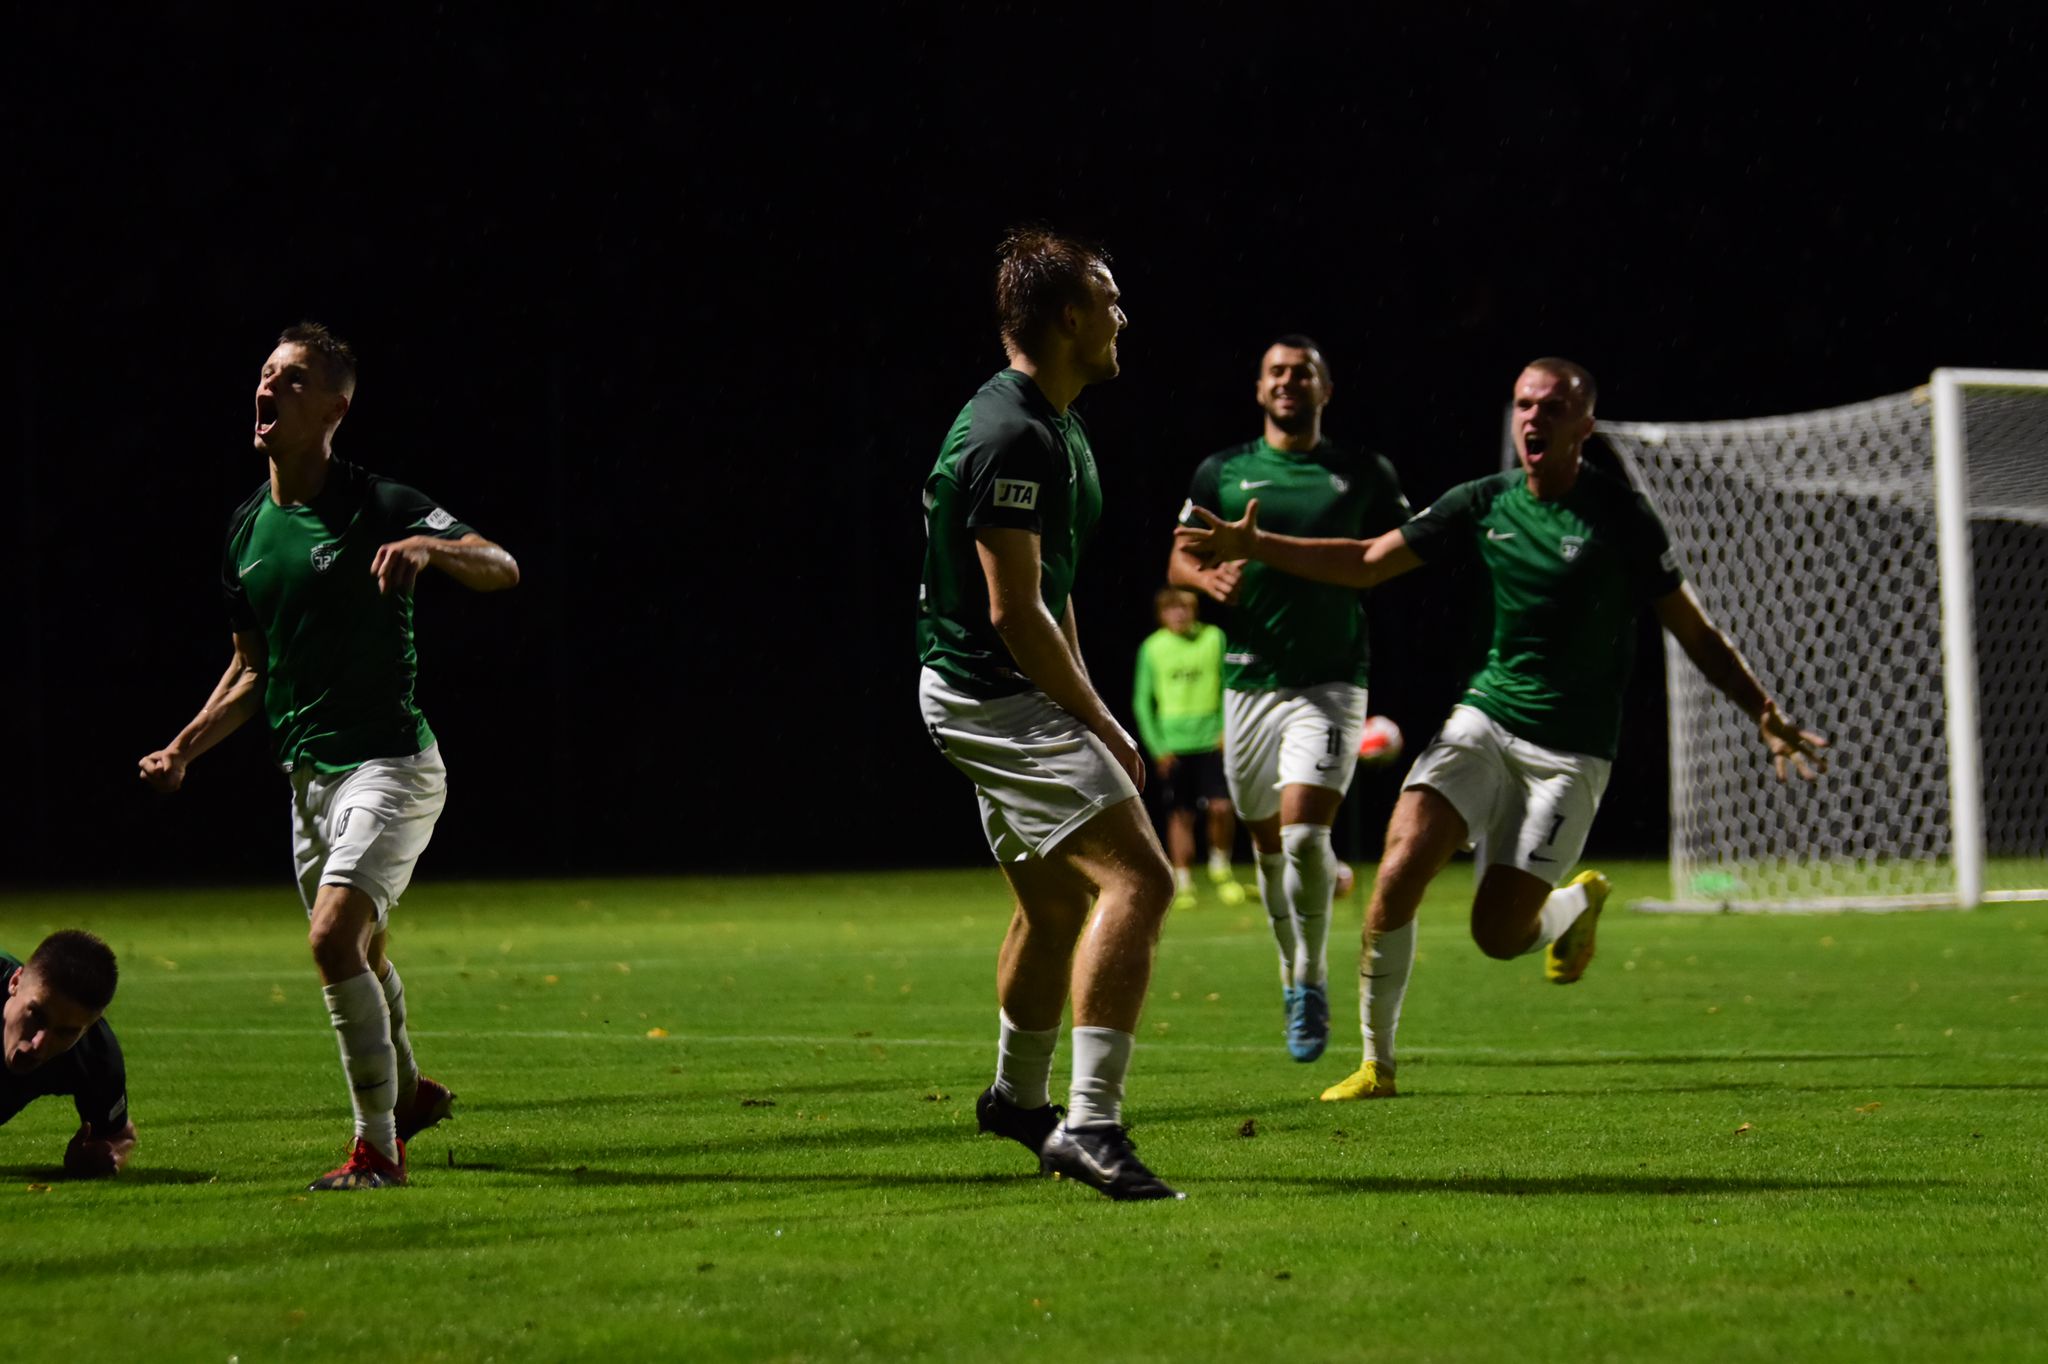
<point>1344,881</point>
<point>1308,1022</point>
<point>1565,960</point>
<point>1224,877</point>
<point>1028,1127</point>
<point>1363,1083</point>
<point>1103,1157</point>
<point>429,1103</point>
<point>365,1168</point>
<point>1185,898</point>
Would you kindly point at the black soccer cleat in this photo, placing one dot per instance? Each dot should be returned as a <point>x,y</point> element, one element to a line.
<point>1028,1127</point>
<point>1105,1159</point>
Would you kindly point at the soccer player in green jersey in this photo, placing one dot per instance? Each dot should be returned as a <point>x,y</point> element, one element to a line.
<point>1519,767</point>
<point>318,575</point>
<point>1177,695</point>
<point>1007,699</point>
<point>55,1041</point>
<point>1296,670</point>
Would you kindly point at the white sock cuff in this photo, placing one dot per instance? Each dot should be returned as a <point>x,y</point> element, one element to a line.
<point>356,998</point>
<point>1389,945</point>
<point>1010,1024</point>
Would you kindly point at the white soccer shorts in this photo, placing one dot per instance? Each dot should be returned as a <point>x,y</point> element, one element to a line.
<point>366,827</point>
<point>1040,773</point>
<point>1291,736</point>
<point>1525,806</point>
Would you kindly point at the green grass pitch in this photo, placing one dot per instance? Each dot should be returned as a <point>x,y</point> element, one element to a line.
<point>733,1119</point>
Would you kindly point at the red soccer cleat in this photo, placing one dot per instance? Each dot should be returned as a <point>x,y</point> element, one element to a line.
<point>431,1102</point>
<point>366,1168</point>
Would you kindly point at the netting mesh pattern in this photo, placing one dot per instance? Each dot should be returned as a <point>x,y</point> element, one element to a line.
<point>1811,541</point>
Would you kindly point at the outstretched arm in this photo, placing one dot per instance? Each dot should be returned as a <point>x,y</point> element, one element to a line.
<point>92,1156</point>
<point>1719,662</point>
<point>235,698</point>
<point>473,561</point>
<point>1347,563</point>
<point>1040,645</point>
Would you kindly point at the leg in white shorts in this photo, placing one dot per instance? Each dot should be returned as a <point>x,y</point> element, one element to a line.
<point>1291,736</point>
<point>1040,773</point>
<point>1524,806</point>
<point>366,827</point>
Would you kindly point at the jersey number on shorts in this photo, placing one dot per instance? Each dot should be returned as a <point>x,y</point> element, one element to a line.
<point>1556,828</point>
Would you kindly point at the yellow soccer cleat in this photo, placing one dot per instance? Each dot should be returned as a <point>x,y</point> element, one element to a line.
<point>1230,892</point>
<point>1185,898</point>
<point>1363,1083</point>
<point>1565,960</point>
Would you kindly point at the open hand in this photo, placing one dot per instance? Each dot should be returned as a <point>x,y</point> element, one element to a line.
<point>1216,538</point>
<point>1790,744</point>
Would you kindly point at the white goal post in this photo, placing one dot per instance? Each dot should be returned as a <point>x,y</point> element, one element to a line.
<point>1884,568</point>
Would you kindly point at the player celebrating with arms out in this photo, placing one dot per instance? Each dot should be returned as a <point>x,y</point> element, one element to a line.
<point>1007,699</point>
<point>1519,767</point>
<point>1297,660</point>
<point>56,1041</point>
<point>318,574</point>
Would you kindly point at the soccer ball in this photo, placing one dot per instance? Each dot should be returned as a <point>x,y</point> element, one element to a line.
<point>1380,744</point>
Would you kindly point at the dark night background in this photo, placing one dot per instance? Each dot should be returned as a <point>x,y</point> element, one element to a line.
<point>677,309</point>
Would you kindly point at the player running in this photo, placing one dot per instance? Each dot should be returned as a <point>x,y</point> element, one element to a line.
<point>319,573</point>
<point>55,1041</point>
<point>1177,697</point>
<point>1299,653</point>
<point>1519,767</point>
<point>1007,699</point>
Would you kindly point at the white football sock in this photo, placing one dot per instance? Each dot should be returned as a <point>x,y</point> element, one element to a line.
<point>1219,864</point>
<point>1310,884</point>
<point>362,1024</point>
<point>1183,878</point>
<point>401,1044</point>
<point>1273,895</point>
<point>1024,1063</point>
<point>1101,1056</point>
<point>1382,981</point>
<point>1560,910</point>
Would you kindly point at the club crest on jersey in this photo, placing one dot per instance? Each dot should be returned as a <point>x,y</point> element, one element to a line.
<point>1016,494</point>
<point>325,555</point>
<point>1340,483</point>
<point>1570,546</point>
<point>439,520</point>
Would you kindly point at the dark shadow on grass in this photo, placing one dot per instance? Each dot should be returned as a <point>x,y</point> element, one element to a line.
<point>1748,1059</point>
<point>54,1174</point>
<point>1750,1086</point>
<point>1574,1186</point>
<point>591,1174</point>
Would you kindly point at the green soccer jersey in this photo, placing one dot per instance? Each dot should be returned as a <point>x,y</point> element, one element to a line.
<point>339,690</point>
<point>1569,575</point>
<point>1177,694</point>
<point>1286,631</point>
<point>1009,460</point>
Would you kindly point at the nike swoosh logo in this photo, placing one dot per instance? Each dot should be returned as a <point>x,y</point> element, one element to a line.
<point>1326,767</point>
<point>1493,534</point>
<point>1246,485</point>
<point>247,567</point>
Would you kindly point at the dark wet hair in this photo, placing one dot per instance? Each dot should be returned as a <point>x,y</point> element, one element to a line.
<point>1297,341</point>
<point>336,358</point>
<point>78,966</point>
<point>1038,273</point>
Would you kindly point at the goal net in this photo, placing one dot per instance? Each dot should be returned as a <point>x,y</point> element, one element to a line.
<point>1884,568</point>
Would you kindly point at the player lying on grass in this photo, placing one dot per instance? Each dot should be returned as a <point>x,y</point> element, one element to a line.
<point>57,1042</point>
<point>318,575</point>
<point>1518,769</point>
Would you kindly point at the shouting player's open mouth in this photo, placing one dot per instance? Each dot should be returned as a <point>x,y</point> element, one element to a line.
<point>266,414</point>
<point>1534,443</point>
